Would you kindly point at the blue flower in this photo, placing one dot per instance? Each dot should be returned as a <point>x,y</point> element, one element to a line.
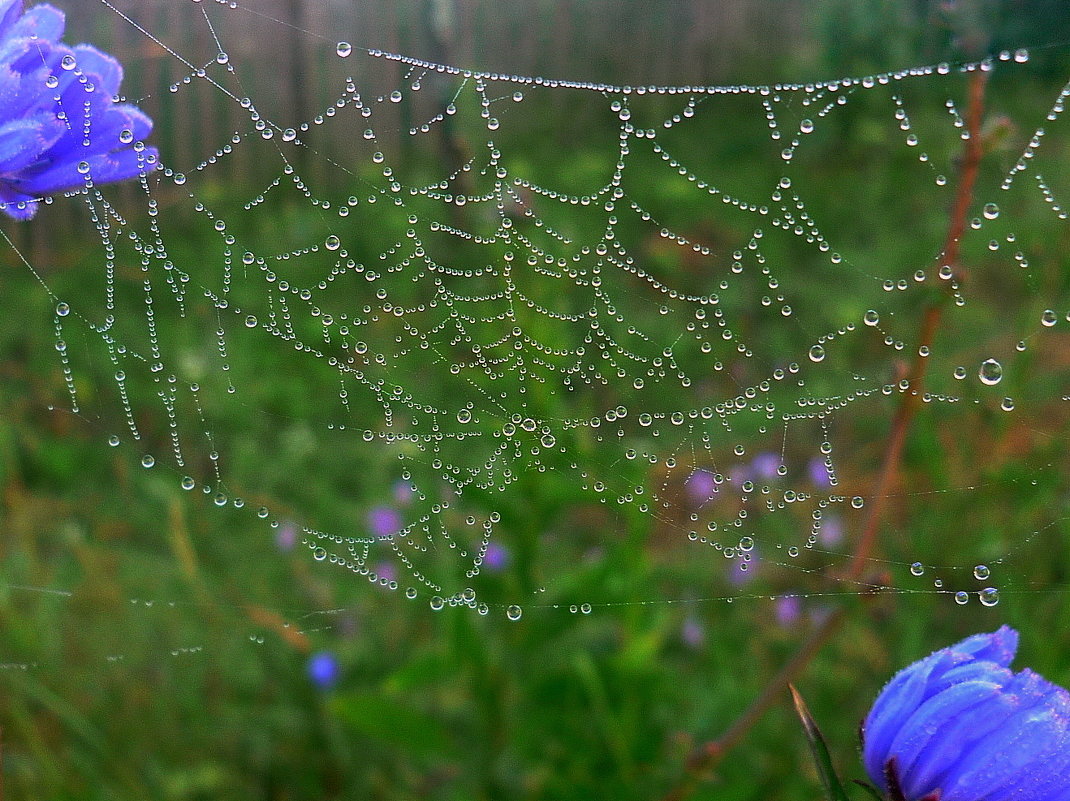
<point>324,670</point>
<point>959,725</point>
<point>60,126</point>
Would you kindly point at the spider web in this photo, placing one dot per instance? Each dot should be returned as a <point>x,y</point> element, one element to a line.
<point>419,331</point>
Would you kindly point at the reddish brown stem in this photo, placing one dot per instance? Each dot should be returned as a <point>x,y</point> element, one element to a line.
<point>707,756</point>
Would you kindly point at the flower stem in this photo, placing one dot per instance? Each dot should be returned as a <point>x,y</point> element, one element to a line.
<point>708,755</point>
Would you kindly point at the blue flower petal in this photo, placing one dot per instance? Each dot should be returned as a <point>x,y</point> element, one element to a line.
<point>23,141</point>
<point>960,726</point>
<point>924,730</point>
<point>9,12</point>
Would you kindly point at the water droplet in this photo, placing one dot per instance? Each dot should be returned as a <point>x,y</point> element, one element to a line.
<point>817,353</point>
<point>188,483</point>
<point>917,569</point>
<point>990,211</point>
<point>857,502</point>
<point>990,372</point>
<point>62,309</point>
<point>981,572</point>
<point>871,317</point>
<point>1049,318</point>
<point>464,416</point>
<point>113,441</point>
<point>585,609</point>
<point>343,49</point>
<point>989,596</point>
<point>250,321</point>
<point>319,554</point>
<point>514,612</point>
<point>68,62</point>
<point>962,597</point>
<point>147,460</point>
<point>332,243</point>
<point>1007,404</point>
<point>437,602</point>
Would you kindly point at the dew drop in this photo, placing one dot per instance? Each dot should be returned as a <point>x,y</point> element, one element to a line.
<point>147,460</point>
<point>343,49</point>
<point>989,596</point>
<point>332,243</point>
<point>990,211</point>
<point>319,554</point>
<point>962,597</point>
<point>990,372</point>
<point>981,572</point>
<point>817,353</point>
<point>514,612</point>
<point>917,569</point>
<point>437,602</point>
<point>62,309</point>
<point>871,317</point>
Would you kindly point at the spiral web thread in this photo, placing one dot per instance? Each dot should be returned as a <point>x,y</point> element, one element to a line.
<point>478,325</point>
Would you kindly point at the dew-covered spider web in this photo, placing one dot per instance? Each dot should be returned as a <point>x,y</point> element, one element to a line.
<point>468,336</point>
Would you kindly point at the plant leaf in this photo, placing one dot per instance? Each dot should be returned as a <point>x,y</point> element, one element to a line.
<point>833,788</point>
<point>869,789</point>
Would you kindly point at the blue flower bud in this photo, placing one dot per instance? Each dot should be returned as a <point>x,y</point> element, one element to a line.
<point>60,126</point>
<point>959,725</point>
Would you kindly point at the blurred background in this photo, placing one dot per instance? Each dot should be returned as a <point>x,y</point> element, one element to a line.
<point>152,646</point>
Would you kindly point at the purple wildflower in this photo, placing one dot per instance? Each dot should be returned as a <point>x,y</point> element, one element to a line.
<point>496,558</point>
<point>384,521</point>
<point>818,472</point>
<point>765,465</point>
<point>700,487</point>
<point>831,532</point>
<point>693,633</point>
<point>323,669</point>
<point>286,537</point>
<point>787,610</point>
<point>60,126</point>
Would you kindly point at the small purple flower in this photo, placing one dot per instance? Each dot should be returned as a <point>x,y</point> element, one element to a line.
<point>818,472</point>
<point>384,521</point>
<point>693,633</point>
<point>323,669</point>
<point>286,537</point>
<point>959,725</point>
<point>742,571</point>
<point>765,465</point>
<point>403,492</point>
<point>700,486</point>
<point>788,610</point>
<point>497,557</point>
<point>59,123</point>
<point>387,571</point>
<point>831,532</point>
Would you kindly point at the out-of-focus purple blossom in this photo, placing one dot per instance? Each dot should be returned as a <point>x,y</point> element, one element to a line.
<point>286,536</point>
<point>497,557</point>
<point>700,487</point>
<point>324,670</point>
<point>693,633</point>
<point>384,521</point>
<point>765,465</point>
<point>787,609</point>
<point>386,570</point>
<point>959,725</point>
<point>403,492</point>
<point>742,572</point>
<point>818,472</point>
<point>60,126</point>
<point>830,534</point>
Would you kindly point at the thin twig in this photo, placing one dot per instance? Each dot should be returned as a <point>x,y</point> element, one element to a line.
<point>707,756</point>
